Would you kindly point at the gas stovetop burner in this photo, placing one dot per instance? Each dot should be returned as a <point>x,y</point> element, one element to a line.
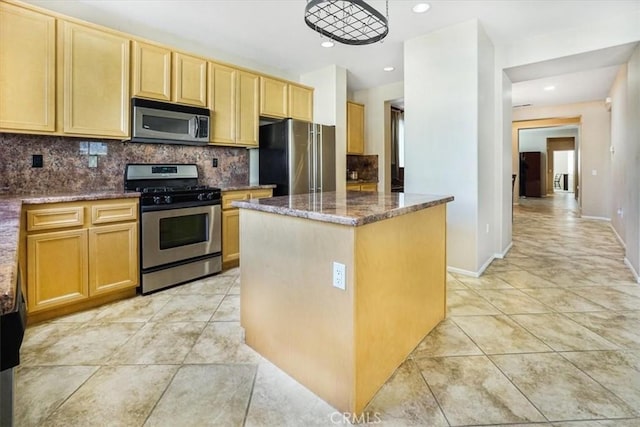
<point>181,189</point>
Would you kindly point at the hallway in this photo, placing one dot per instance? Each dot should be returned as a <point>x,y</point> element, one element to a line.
<point>550,335</point>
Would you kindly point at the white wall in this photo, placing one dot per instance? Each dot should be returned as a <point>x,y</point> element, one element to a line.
<point>625,140</point>
<point>377,132</point>
<point>504,199</point>
<point>595,190</point>
<point>330,108</point>
<point>487,146</point>
<point>442,132</point>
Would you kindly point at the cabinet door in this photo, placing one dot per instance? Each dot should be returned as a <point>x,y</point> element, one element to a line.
<point>151,71</point>
<point>189,80</point>
<point>230,235</point>
<point>369,187</point>
<point>56,269</point>
<point>273,98</point>
<point>300,103</point>
<point>260,193</point>
<point>353,187</point>
<point>95,71</point>
<point>27,69</point>
<point>113,258</point>
<point>247,109</point>
<point>355,128</point>
<point>222,101</point>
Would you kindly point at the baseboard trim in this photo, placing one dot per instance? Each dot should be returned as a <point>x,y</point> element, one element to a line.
<point>463,272</point>
<point>597,218</point>
<point>633,270</point>
<point>618,237</point>
<point>504,253</point>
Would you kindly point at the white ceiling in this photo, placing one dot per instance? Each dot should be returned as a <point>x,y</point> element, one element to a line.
<point>272,33</point>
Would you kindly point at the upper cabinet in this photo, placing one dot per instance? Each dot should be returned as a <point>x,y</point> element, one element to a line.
<point>234,101</point>
<point>155,75</point>
<point>281,99</point>
<point>151,71</point>
<point>27,70</point>
<point>189,80</point>
<point>300,102</point>
<point>273,98</point>
<point>355,128</point>
<point>94,70</point>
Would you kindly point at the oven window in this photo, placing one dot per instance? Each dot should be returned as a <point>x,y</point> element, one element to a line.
<point>183,230</point>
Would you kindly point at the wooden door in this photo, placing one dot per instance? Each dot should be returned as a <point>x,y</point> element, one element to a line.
<point>113,257</point>
<point>230,235</point>
<point>222,101</point>
<point>27,69</point>
<point>151,71</point>
<point>355,128</point>
<point>300,102</point>
<point>56,269</point>
<point>189,80</point>
<point>247,109</point>
<point>531,172</point>
<point>95,71</point>
<point>273,98</point>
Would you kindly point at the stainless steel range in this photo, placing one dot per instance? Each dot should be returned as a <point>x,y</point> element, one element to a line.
<point>180,224</point>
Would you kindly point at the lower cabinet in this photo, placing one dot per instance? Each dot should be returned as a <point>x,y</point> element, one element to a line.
<point>231,223</point>
<point>79,253</point>
<point>370,186</point>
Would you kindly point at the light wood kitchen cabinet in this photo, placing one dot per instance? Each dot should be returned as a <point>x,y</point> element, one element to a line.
<point>355,128</point>
<point>150,71</point>
<point>57,269</point>
<point>369,186</point>
<point>94,72</point>
<point>27,70</point>
<point>80,254</point>
<point>189,80</point>
<point>273,97</point>
<point>300,102</point>
<point>234,100</point>
<point>281,99</point>
<point>231,222</point>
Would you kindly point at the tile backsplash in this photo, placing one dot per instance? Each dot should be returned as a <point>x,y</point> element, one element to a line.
<point>66,169</point>
<point>367,166</point>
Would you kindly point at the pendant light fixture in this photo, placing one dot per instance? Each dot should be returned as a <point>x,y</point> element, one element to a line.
<point>352,22</point>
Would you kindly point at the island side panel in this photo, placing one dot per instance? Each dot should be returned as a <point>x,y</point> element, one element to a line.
<point>400,292</point>
<point>291,313</point>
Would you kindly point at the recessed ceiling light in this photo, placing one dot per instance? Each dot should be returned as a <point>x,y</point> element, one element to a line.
<point>389,68</point>
<point>550,88</point>
<point>421,7</point>
<point>327,43</point>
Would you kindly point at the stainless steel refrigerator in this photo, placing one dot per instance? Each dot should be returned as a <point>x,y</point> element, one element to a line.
<point>298,157</point>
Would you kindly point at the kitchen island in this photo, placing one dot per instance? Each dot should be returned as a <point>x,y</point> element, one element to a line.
<point>343,344</point>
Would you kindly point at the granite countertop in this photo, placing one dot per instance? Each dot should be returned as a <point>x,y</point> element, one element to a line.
<point>10,209</point>
<point>247,187</point>
<point>346,208</point>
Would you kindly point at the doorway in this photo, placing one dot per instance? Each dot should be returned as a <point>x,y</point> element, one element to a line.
<point>562,165</point>
<point>397,149</point>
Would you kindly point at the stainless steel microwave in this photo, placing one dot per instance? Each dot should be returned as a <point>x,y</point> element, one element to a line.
<point>162,122</point>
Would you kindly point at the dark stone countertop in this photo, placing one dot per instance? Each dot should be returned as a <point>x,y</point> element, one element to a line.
<point>247,187</point>
<point>351,208</point>
<point>362,181</point>
<point>10,215</point>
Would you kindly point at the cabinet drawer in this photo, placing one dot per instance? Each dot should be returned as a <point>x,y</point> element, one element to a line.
<point>114,212</point>
<point>258,194</point>
<point>227,198</point>
<point>49,218</point>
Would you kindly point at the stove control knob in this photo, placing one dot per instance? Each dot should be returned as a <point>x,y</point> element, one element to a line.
<point>168,199</point>
<point>210,196</point>
<point>156,200</point>
<point>201,196</point>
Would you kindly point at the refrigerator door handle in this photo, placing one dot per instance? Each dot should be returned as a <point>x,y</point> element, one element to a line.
<point>319,159</point>
<point>311,160</point>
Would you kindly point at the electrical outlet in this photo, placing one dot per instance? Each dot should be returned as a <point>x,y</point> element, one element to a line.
<point>339,276</point>
<point>214,163</point>
<point>36,161</point>
<point>487,228</point>
<point>93,161</point>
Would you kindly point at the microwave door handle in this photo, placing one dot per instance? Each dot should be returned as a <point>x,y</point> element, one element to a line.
<point>197,125</point>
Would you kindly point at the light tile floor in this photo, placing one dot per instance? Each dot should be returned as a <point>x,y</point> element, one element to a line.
<point>550,335</point>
